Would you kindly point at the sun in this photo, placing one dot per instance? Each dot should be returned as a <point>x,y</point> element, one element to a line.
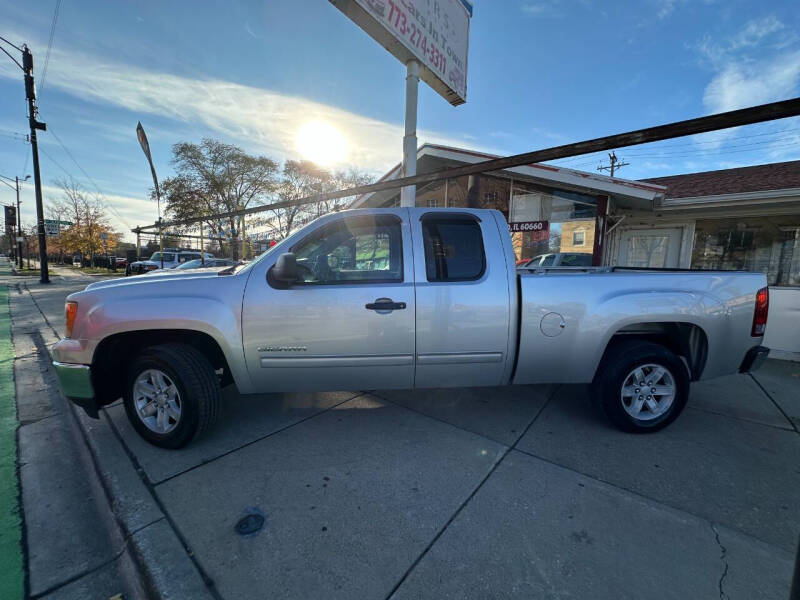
<point>321,143</point>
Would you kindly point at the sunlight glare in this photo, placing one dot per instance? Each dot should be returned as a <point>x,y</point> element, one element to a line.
<point>321,143</point>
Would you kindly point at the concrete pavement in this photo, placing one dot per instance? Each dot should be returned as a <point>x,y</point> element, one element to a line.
<point>503,493</point>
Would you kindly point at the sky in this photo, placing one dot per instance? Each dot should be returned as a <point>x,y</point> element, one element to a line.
<point>270,75</point>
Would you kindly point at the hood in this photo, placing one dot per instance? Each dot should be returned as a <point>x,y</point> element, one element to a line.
<point>156,278</point>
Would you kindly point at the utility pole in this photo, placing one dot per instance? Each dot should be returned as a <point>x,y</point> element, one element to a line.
<point>30,94</point>
<point>614,164</point>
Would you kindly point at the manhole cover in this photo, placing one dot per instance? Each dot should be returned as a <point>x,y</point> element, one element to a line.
<point>250,524</point>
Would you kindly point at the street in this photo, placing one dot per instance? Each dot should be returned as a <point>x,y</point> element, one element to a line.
<point>504,493</point>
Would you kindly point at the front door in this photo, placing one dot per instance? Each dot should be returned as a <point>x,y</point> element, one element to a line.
<point>650,248</point>
<point>349,322</point>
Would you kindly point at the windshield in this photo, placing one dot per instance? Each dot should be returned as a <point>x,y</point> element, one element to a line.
<point>192,264</point>
<point>168,256</point>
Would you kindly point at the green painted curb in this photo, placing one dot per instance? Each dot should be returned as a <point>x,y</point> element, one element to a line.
<point>11,565</point>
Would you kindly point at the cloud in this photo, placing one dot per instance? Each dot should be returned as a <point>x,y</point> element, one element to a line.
<point>543,8</point>
<point>755,36</point>
<point>755,31</point>
<point>739,85</point>
<point>751,67</point>
<point>260,120</point>
<point>665,8</point>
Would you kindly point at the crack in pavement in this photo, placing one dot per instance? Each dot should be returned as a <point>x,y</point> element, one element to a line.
<point>724,558</point>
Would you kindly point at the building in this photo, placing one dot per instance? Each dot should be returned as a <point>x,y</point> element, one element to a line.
<point>746,218</point>
<point>551,209</point>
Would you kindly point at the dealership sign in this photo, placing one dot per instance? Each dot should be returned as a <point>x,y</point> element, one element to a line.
<point>433,32</point>
<point>523,226</point>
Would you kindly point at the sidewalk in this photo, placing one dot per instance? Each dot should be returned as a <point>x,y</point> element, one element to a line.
<point>512,492</point>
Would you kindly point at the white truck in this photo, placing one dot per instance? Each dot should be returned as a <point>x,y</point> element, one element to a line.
<point>404,298</point>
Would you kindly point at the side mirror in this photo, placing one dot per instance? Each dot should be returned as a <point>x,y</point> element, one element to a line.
<point>285,269</point>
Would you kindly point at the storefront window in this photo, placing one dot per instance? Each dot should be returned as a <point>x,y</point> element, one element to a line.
<point>479,191</point>
<point>570,218</point>
<point>770,245</point>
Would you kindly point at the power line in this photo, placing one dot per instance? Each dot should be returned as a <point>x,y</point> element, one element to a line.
<point>56,163</point>
<point>10,44</point>
<point>614,164</point>
<point>49,47</point>
<point>11,57</point>
<point>571,162</point>
<point>88,177</point>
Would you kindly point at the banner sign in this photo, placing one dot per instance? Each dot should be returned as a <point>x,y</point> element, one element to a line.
<point>146,149</point>
<point>435,33</point>
<point>11,217</point>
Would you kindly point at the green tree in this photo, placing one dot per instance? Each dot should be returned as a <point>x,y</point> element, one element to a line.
<point>212,178</point>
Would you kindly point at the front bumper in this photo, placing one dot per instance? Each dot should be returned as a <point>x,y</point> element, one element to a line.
<point>754,358</point>
<point>75,382</point>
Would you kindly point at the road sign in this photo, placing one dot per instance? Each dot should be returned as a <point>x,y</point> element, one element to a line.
<point>434,33</point>
<point>51,228</point>
<point>56,221</point>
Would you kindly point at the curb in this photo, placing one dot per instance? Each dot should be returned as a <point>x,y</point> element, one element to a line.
<point>158,565</point>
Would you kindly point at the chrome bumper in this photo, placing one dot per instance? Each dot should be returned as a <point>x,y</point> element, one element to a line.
<point>75,382</point>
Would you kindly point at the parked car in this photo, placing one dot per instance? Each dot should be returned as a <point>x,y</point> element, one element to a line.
<point>121,262</point>
<point>558,259</point>
<point>170,258</point>
<point>76,261</point>
<point>197,263</point>
<point>416,297</point>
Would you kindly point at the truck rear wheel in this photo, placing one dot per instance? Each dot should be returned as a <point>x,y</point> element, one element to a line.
<point>171,395</point>
<point>641,386</point>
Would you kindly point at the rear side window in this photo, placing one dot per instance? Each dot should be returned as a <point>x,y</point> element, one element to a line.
<point>453,249</point>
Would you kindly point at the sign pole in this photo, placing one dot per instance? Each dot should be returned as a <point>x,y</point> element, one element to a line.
<point>408,195</point>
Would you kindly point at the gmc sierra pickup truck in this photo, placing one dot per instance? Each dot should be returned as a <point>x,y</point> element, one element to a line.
<point>404,298</point>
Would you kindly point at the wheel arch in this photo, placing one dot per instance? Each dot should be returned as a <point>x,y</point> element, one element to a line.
<point>112,353</point>
<point>687,340</point>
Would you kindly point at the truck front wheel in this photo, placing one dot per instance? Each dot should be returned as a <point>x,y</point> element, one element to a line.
<point>171,395</point>
<point>641,386</point>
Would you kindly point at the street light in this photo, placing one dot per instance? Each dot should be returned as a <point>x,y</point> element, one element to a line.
<point>16,181</point>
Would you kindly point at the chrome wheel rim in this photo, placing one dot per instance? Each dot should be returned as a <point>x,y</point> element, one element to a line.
<point>157,401</point>
<point>648,392</point>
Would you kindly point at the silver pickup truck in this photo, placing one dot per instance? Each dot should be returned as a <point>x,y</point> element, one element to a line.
<point>404,298</point>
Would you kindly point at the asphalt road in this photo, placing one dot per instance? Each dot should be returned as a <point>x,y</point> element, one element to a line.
<point>476,493</point>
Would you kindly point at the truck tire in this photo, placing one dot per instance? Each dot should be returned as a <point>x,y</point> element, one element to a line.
<point>642,386</point>
<point>171,395</point>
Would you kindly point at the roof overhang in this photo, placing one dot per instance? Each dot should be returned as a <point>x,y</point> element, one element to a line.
<point>626,194</point>
<point>764,197</point>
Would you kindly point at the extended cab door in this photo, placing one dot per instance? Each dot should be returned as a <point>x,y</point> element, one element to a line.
<point>463,298</point>
<point>349,322</point>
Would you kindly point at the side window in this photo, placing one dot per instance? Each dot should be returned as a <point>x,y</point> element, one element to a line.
<point>453,249</point>
<point>548,260</point>
<point>361,249</point>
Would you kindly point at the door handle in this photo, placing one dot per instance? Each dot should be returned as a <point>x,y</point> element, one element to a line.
<point>385,304</point>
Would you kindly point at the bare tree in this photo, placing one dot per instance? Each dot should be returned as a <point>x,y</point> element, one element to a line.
<point>88,217</point>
